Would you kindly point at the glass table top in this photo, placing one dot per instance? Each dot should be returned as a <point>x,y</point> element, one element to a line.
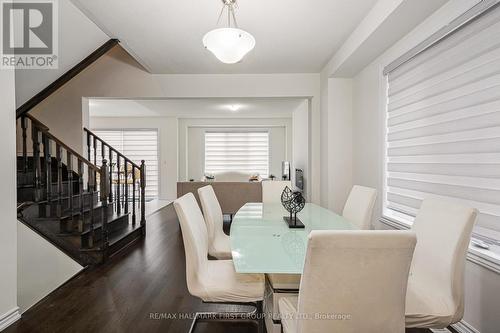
<point>261,241</point>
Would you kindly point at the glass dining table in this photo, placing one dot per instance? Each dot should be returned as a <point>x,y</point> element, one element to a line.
<point>261,241</point>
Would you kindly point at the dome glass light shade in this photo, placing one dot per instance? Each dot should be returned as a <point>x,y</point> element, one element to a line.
<point>229,45</point>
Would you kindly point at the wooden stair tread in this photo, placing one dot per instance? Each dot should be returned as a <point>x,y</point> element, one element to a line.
<point>117,236</point>
<point>70,243</point>
<point>98,225</point>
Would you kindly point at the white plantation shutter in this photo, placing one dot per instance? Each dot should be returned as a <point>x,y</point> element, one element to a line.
<point>237,151</point>
<point>136,145</point>
<point>443,125</point>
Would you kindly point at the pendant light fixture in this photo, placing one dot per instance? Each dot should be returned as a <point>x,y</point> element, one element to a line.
<point>229,44</point>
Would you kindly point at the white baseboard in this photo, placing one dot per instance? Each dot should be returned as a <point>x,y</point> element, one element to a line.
<point>9,318</point>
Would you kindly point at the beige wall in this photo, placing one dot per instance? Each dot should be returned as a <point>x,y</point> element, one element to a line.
<point>116,74</point>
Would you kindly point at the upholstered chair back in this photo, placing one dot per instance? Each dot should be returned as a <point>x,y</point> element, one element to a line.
<point>443,231</point>
<point>194,235</point>
<point>359,206</point>
<point>355,281</point>
<point>212,212</point>
<point>271,190</point>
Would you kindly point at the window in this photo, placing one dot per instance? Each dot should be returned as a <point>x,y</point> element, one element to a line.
<point>136,145</point>
<point>246,151</point>
<point>443,126</point>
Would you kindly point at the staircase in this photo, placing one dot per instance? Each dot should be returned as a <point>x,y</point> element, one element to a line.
<point>88,211</point>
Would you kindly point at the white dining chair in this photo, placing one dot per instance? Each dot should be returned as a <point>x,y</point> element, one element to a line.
<point>358,208</point>
<point>213,281</point>
<point>272,189</point>
<point>435,297</point>
<point>353,281</point>
<point>219,245</point>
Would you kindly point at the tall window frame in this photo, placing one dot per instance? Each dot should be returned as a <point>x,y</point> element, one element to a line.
<point>460,171</point>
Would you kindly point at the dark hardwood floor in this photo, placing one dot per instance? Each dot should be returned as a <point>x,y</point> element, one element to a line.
<point>141,289</point>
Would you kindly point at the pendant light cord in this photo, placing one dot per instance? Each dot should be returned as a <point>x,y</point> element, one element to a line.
<point>234,16</point>
<point>230,14</point>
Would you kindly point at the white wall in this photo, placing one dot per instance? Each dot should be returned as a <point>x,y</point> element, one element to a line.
<point>336,141</point>
<point>191,141</point>
<point>78,37</point>
<point>167,131</point>
<point>368,136</point>
<point>8,238</point>
<point>256,85</point>
<point>118,75</point>
<point>482,285</point>
<point>325,180</point>
<point>300,145</point>
<point>339,142</point>
<point>41,267</point>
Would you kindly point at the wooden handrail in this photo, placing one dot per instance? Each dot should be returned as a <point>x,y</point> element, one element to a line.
<point>111,147</point>
<point>38,123</point>
<point>41,126</point>
<point>80,67</point>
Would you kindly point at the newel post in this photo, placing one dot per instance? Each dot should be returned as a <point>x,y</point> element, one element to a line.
<point>104,192</point>
<point>143,196</point>
<point>35,136</point>
<point>24,126</point>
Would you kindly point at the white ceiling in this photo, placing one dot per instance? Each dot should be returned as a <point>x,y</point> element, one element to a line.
<point>195,108</point>
<point>293,36</point>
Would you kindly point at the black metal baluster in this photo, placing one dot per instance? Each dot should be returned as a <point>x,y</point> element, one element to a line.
<point>125,183</point>
<point>91,190</point>
<point>47,155</point>
<point>80,196</point>
<point>88,147</point>
<point>24,126</point>
<point>69,165</point>
<point>143,196</point>
<point>36,160</point>
<point>59,180</point>
<point>103,151</point>
<point>118,197</point>
<point>95,150</point>
<point>133,194</point>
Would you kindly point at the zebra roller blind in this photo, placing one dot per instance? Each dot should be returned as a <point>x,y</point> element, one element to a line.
<point>237,151</point>
<point>136,145</point>
<point>443,125</point>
